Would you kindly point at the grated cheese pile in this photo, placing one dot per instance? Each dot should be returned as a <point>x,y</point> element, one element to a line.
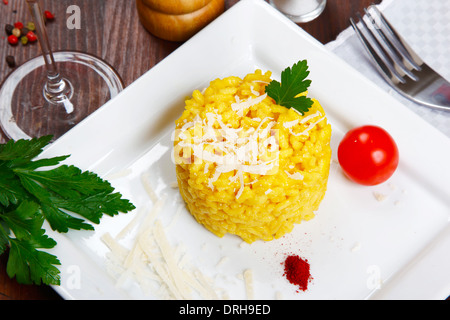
<point>158,268</point>
<point>152,262</point>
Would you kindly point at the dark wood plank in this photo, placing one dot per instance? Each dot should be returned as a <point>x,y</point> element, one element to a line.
<point>335,18</point>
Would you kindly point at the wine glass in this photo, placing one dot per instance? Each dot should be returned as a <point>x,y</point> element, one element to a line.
<point>51,93</point>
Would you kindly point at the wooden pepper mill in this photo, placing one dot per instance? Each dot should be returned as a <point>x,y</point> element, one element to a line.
<point>177,20</point>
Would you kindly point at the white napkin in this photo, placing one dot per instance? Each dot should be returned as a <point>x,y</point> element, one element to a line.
<point>425,25</point>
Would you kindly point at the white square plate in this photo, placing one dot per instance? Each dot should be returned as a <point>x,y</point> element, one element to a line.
<point>358,247</point>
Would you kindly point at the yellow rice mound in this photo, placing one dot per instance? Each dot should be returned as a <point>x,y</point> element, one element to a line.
<point>247,166</point>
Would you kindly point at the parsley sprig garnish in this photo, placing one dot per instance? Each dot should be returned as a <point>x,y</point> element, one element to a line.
<point>30,195</point>
<point>293,83</point>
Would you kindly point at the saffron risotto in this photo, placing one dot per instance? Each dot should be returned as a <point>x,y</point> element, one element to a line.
<point>247,166</point>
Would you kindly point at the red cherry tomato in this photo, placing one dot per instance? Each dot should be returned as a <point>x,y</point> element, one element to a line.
<point>368,155</point>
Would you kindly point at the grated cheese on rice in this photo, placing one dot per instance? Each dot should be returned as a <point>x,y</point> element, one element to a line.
<point>247,166</point>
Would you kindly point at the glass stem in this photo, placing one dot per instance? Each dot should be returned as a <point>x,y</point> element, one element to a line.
<point>57,90</point>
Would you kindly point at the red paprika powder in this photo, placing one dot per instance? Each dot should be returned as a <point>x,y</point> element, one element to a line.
<point>296,270</point>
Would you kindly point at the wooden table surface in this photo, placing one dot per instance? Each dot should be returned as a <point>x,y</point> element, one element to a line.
<point>111,30</point>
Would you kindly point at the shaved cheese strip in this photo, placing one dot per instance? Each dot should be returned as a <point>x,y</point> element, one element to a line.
<point>290,124</point>
<point>131,225</point>
<point>160,269</point>
<point>248,278</point>
<point>312,125</point>
<point>179,254</point>
<point>117,249</point>
<point>311,116</point>
<point>278,295</point>
<point>113,265</point>
<point>145,278</point>
<point>241,189</point>
<point>240,106</point>
<point>124,276</point>
<point>295,176</point>
<point>133,256</point>
<point>147,241</point>
<point>214,179</point>
<point>167,253</point>
<point>151,216</point>
<point>118,175</point>
<point>206,284</point>
<point>305,132</point>
<point>183,261</point>
<point>261,81</point>
<point>145,179</point>
<point>222,261</point>
<point>144,274</point>
<point>254,92</point>
<point>187,126</point>
<point>176,217</point>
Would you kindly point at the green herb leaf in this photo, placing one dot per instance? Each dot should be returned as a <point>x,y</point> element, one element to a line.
<point>30,265</point>
<point>11,189</point>
<point>67,187</point>
<point>25,221</point>
<point>23,151</point>
<point>293,83</point>
<point>29,196</point>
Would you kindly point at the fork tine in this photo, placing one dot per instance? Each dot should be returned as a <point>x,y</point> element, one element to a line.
<point>383,61</point>
<point>402,47</point>
<point>394,52</point>
<point>391,58</point>
<point>427,89</point>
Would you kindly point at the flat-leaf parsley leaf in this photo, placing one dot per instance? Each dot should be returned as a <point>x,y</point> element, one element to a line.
<point>293,84</point>
<point>28,197</point>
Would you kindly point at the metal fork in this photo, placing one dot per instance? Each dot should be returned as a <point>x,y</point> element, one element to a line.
<point>398,64</point>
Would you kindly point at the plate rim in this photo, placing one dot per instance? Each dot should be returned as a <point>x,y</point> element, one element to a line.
<point>441,241</point>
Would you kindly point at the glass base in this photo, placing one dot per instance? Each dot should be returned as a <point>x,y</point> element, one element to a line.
<point>300,11</point>
<point>25,110</point>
